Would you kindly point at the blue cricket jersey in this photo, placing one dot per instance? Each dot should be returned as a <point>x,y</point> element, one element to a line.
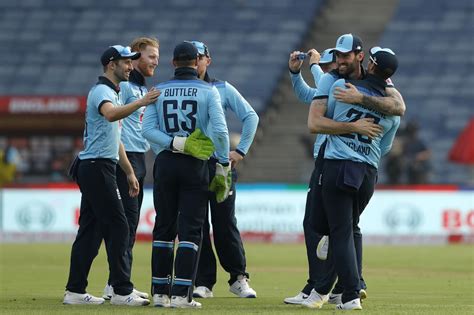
<point>356,147</point>
<point>302,90</point>
<point>132,126</point>
<point>305,94</point>
<point>185,104</point>
<point>233,100</point>
<point>101,137</point>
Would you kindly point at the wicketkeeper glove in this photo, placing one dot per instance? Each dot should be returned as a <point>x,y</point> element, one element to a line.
<point>221,182</point>
<point>196,145</point>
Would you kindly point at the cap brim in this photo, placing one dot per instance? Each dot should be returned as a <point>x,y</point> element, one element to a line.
<point>325,60</point>
<point>341,50</point>
<point>133,56</point>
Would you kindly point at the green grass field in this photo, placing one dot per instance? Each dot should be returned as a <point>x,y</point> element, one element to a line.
<point>401,280</point>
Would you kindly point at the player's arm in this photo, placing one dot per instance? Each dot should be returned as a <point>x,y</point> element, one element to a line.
<point>314,67</point>
<point>302,90</point>
<point>387,140</point>
<point>133,185</point>
<point>218,127</point>
<point>319,123</point>
<point>247,116</point>
<point>222,181</point>
<point>392,105</point>
<point>114,113</point>
<point>150,130</point>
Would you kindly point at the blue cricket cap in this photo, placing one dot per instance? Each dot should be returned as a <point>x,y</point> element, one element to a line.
<point>118,52</point>
<point>327,56</point>
<point>201,47</point>
<point>384,58</point>
<point>347,43</point>
<point>185,51</point>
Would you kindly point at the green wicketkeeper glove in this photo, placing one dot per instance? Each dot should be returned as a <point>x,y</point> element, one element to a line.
<point>196,145</point>
<point>221,182</point>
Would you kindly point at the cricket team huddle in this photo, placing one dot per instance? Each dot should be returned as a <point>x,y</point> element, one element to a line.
<point>354,112</point>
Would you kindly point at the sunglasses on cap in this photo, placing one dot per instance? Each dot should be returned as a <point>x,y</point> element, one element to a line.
<point>201,47</point>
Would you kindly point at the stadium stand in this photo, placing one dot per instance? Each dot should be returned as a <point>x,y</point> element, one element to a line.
<point>434,46</point>
<point>51,47</point>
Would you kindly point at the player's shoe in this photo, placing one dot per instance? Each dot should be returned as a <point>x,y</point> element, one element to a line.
<point>335,298</point>
<point>242,289</point>
<point>315,300</point>
<point>161,300</point>
<point>71,298</point>
<point>350,305</point>
<point>108,292</point>
<point>298,299</point>
<point>202,292</point>
<point>322,249</point>
<point>141,294</point>
<point>362,294</point>
<point>182,302</point>
<point>131,300</point>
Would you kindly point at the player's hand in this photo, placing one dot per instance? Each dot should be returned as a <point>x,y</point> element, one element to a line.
<point>150,97</point>
<point>196,145</point>
<point>351,95</point>
<point>133,185</point>
<point>367,127</point>
<point>221,182</point>
<point>235,158</point>
<point>294,63</point>
<point>314,56</point>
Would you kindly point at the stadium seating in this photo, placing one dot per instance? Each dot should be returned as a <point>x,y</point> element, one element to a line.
<point>433,42</point>
<point>57,43</point>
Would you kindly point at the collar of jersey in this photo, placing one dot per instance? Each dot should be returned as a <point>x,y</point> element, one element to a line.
<point>137,78</point>
<point>110,84</point>
<point>185,73</point>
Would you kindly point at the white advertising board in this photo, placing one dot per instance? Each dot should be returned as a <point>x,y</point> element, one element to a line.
<point>258,210</point>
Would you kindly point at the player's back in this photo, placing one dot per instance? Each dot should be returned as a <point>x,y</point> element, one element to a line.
<point>357,147</point>
<point>183,106</point>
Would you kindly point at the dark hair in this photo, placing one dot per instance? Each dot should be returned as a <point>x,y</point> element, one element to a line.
<point>383,73</point>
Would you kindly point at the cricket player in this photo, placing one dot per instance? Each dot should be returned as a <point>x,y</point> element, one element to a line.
<point>349,171</point>
<point>187,111</point>
<point>227,240</point>
<point>349,56</point>
<point>135,145</point>
<point>102,216</point>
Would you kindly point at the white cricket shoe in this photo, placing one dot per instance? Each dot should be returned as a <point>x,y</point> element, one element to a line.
<point>350,305</point>
<point>108,292</point>
<point>71,298</point>
<point>335,298</point>
<point>131,300</point>
<point>322,249</point>
<point>315,300</point>
<point>242,289</point>
<point>202,292</point>
<point>182,302</point>
<point>161,300</point>
<point>141,294</point>
<point>298,299</point>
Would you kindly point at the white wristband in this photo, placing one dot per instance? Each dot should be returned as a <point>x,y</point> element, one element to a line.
<point>178,143</point>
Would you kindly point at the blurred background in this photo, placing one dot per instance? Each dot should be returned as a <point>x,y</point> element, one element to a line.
<point>51,51</point>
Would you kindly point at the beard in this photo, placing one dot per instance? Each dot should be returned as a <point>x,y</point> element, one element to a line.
<point>347,70</point>
<point>122,75</point>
